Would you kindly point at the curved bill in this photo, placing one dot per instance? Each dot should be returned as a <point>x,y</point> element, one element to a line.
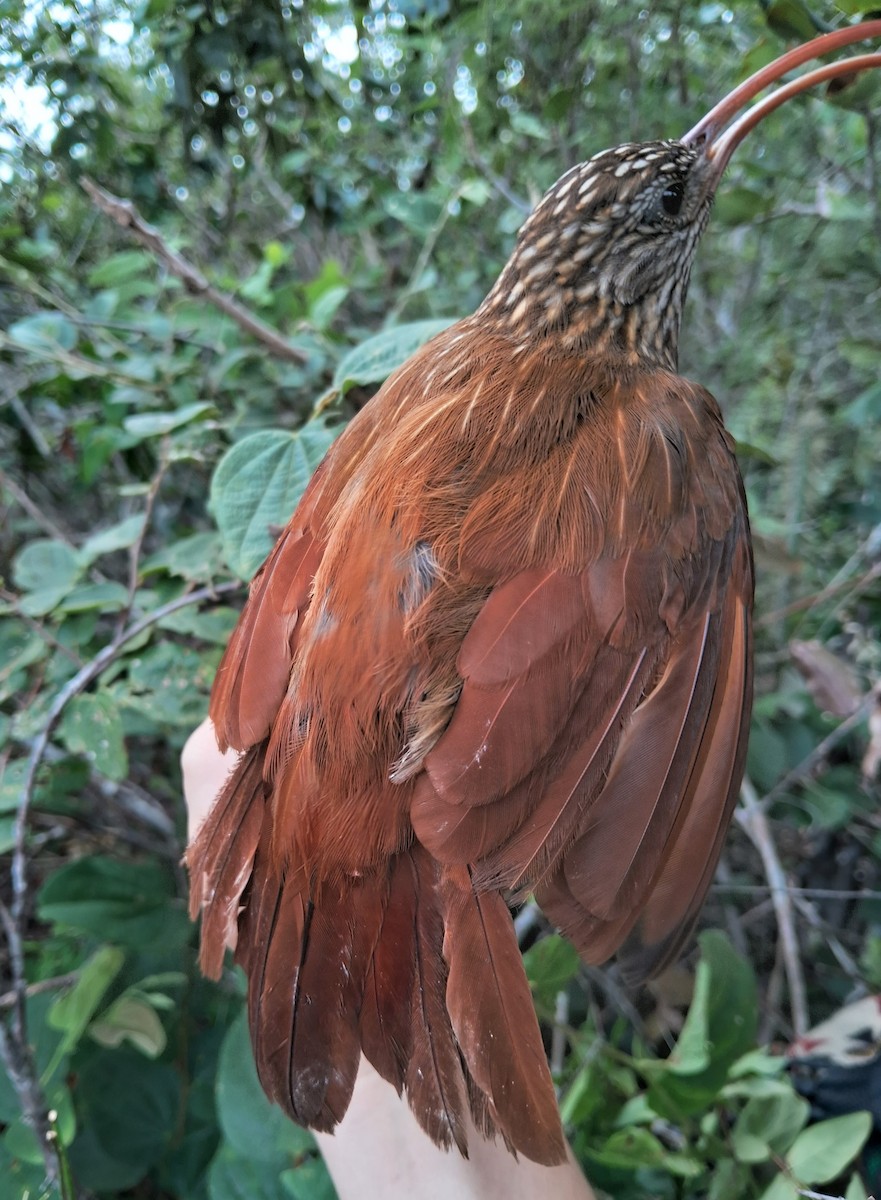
<point>719,138</point>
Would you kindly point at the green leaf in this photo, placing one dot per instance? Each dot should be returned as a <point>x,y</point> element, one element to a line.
<point>823,1151</point>
<point>323,311</point>
<point>25,1180</point>
<point>19,649</point>
<point>131,1018</point>
<point>44,1041</point>
<point>120,268</point>
<point>719,1029</point>
<point>740,205</point>
<point>197,558</point>
<point>258,483</point>
<point>19,1138</point>
<point>133,1106</point>
<point>856,1189</point>
<point>475,191</point>
<point>636,1147</point>
<point>155,424</point>
<point>309,1180</point>
<point>529,125</point>
<point>117,900</point>
<point>550,965</point>
<point>12,775</point>
<point>116,537</point>
<point>239,1175</point>
<point>72,1011</point>
<point>92,726</point>
<point>47,569</point>
<point>374,360</point>
<point>767,1126</point>
<point>44,331</point>
<point>214,625</point>
<point>86,597</point>
<point>781,1189</point>
<point>251,1125</point>
<point>791,18</point>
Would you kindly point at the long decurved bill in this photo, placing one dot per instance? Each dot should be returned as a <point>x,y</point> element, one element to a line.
<point>727,124</point>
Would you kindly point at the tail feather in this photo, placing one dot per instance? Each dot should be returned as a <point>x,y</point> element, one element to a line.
<point>386,1030</point>
<point>407,964</point>
<point>220,859</point>
<point>434,1080</point>
<point>499,1035</point>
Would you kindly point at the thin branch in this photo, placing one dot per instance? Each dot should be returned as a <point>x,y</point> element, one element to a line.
<point>57,982</point>
<point>501,185</point>
<point>423,259</point>
<point>134,557</point>
<point>845,960</point>
<point>126,215</point>
<point>751,817</point>
<point>36,627</point>
<point>14,1046</point>
<point>33,510</point>
<point>18,1062</point>
<point>806,603</point>
<point>753,889</point>
<point>820,752</point>
<point>559,1036</point>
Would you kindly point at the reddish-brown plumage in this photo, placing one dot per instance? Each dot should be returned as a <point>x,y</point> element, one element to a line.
<point>504,644</point>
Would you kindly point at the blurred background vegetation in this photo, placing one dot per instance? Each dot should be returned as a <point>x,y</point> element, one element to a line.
<point>353,176</point>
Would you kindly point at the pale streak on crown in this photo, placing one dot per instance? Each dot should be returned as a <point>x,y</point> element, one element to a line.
<point>561,277</point>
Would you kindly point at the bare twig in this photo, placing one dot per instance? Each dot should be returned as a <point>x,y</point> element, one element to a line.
<point>820,752</point>
<point>845,960</point>
<point>752,819</point>
<point>752,889</point>
<point>126,215</point>
<point>422,260</point>
<point>134,557</point>
<point>806,603</point>
<point>39,629</point>
<point>732,921</point>
<point>57,982</point>
<point>18,1058</point>
<point>559,1036</point>
<point>501,185</point>
<point>33,510</point>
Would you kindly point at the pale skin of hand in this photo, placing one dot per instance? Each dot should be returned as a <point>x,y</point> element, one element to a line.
<point>379,1151</point>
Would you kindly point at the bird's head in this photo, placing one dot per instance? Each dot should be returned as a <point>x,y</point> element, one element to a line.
<point>603,261</point>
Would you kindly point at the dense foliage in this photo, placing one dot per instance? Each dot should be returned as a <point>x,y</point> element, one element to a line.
<point>353,175</point>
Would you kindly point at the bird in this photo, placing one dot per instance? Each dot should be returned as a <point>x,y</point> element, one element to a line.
<point>502,648</point>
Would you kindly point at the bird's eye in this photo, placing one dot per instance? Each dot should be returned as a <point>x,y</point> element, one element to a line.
<point>671,199</point>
